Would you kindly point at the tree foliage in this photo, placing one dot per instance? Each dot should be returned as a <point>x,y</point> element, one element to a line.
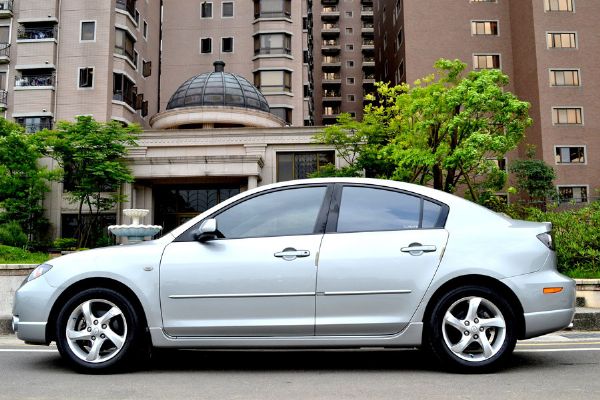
<point>444,130</point>
<point>534,179</point>
<point>23,183</point>
<point>90,154</point>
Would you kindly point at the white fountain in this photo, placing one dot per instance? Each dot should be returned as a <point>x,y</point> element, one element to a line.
<point>135,232</point>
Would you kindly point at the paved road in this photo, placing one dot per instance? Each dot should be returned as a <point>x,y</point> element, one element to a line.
<point>563,366</point>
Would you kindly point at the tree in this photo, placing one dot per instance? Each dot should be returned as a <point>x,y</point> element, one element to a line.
<point>23,183</point>
<point>445,131</point>
<point>90,154</point>
<point>534,179</point>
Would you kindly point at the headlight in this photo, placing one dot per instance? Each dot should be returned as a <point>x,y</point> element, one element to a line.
<point>39,271</point>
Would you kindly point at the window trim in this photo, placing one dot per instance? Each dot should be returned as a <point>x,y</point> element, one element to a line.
<point>558,124</point>
<point>487,54</point>
<point>232,9</point>
<point>232,44</point>
<point>212,11</point>
<point>336,202</point>
<point>211,45</point>
<point>548,10</point>
<point>474,21</point>
<point>585,154</point>
<point>81,30</point>
<point>561,69</point>
<point>562,48</point>
<point>79,87</point>
<point>320,225</point>
<point>587,190</point>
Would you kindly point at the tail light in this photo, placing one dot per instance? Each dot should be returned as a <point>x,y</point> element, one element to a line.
<point>547,239</point>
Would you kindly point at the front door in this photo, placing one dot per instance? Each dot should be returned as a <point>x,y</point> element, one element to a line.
<point>259,280</point>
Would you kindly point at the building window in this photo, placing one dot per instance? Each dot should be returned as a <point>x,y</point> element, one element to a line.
<point>348,14</point>
<point>34,124</point>
<point>274,43</point>
<point>399,39</point>
<point>69,223</point>
<point>349,31</point>
<point>283,112</point>
<point>350,81</point>
<point>567,116</point>
<point>206,10</point>
<point>562,40</point>
<point>486,61</point>
<point>86,77</point>
<point>397,9</point>
<point>145,30</point>
<point>227,9</point>
<point>350,64</point>
<point>88,31</point>
<point>349,47</point>
<point>127,5</point>
<point>564,77</point>
<point>136,17</point>
<point>302,165</point>
<point>136,58</point>
<point>124,89</point>
<point>351,98</point>
<point>574,194</point>
<point>305,56</point>
<point>558,5</point>
<point>484,28</point>
<point>331,110</point>
<point>206,45</point>
<point>273,81</point>
<point>272,8</point>
<point>124,43</point>
<point>227,45</point>
<point>570,154</point>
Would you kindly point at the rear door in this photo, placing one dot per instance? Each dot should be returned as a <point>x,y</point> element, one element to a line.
<point>377,259</point>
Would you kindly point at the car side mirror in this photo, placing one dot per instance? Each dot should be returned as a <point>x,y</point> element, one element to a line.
<point>207,231</point>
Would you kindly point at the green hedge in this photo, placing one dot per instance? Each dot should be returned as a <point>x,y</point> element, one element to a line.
<point>576,238</point>
<point>15,255</point>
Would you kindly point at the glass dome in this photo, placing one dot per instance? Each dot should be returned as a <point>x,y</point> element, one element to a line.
<point>218,88</point>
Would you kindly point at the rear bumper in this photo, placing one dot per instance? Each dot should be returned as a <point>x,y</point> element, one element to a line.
<point>540,323</point>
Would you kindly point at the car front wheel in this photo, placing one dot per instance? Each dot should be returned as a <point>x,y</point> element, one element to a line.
<point>472,329</point>
<point>98,331</point>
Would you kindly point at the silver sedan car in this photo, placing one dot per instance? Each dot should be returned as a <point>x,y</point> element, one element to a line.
<point>323,263</point>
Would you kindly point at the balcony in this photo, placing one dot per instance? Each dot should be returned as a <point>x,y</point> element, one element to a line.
<point>4,53</point>
<point>368,62</point>
<point>37,32</point>
<point>369,79</point>
<point>332,78</point>
<point>366,13</point>
<point>367,29</point>
<point>331,96</point>
<point>330,2</point>
<point>128,6</point>
<point>330,46</point>
<point>330,29</point>
<point>6,8</point>
<point>330,13</point>
<point>368,45</point>
<point>3,99</point>
<point>331,63</point>
<point>41,80</point>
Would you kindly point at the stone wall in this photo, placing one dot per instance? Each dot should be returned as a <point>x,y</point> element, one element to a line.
<point>11,277</point>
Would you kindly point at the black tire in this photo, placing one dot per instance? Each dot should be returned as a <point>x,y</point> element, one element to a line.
<point>117,342</point>
<point>447,337</point>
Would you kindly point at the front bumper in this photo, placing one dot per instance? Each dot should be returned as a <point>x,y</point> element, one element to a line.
<point>31,309</point>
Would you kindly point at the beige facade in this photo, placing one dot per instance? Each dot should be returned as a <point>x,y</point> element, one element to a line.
<point>549,49</point>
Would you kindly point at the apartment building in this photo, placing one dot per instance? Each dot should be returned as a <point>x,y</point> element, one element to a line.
<point>63,58</point>
<point>343,57</point>
<point>549,48</point>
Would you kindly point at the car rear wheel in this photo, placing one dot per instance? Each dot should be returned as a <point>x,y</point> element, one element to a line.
<point>98,331</point>
<point>472,329</point>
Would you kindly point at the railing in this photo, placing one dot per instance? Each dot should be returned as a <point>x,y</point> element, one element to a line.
<point>331,43</point>
<point>272,50</point>
<point>127,5</point>
<point>3,97</point>
<point>332,9</point>
<point>368,42</point>
<point>330,93</point>
<point>37,33</point>
<point>31,127</point>
<point>331,60</point>
<point>4,49</point>
<point>273,14</point>
<point>35,80</point>
<point>6,5</point>
<point>367,8</point>
<point>331,76</point>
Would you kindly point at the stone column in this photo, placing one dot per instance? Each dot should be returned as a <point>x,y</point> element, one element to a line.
<point>252,182</point>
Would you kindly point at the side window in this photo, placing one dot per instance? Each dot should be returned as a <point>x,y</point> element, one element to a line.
<point>282,213</point>
<point>365,209</point>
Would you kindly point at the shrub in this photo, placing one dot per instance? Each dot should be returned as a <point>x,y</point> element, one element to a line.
<point>11,234</point>
<point>576,237</point>
<point>65,244</point>
<point>14,255</point>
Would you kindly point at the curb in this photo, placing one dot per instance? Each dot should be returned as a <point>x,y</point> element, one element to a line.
<point>586,319</point>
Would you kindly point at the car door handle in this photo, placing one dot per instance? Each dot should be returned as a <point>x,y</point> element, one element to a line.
<point>290,254</point>
<point>416,249</point>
